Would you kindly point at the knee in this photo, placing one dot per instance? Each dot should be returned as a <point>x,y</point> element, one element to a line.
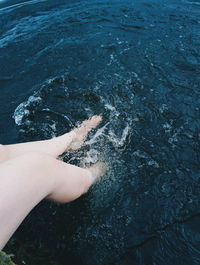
<point>38,167</point>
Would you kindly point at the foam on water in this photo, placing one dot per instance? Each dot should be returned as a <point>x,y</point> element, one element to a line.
<point>19,4</point>
<point>119,142</point>
<point>22,110</point>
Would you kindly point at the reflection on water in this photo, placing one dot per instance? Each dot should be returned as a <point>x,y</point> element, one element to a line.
<point>137,64</point>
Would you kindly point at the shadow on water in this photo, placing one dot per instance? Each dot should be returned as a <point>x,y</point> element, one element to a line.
<point>137,64</point>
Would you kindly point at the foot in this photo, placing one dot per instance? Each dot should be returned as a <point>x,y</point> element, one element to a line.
<point>98,170</point>
<point>82,131</point>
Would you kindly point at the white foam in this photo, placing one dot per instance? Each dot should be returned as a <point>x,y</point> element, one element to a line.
<point>163,108</point>
<point>147,158</point>
<point>110,107</point>
<point>20,4</point>
<point>153,163</point>
<point>167,127</point>
<point>116,141</point>
<point>21,111</point>
<point>91,157</point>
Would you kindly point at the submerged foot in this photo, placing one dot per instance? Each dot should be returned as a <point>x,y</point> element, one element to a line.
<point>82,131</point>
<point>98,170</point>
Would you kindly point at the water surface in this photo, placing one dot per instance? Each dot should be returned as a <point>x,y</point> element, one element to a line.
<point>137,63</point>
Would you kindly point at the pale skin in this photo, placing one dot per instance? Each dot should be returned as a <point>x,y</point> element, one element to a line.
<point>30,172</point>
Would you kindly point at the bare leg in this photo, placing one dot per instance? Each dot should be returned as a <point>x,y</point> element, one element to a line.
<point>55,146</point>
<point>27,179</point>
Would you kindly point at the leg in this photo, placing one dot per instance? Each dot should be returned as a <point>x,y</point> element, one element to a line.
<point>27,179</point>
<point>55,146</point>
<point>3,153</point>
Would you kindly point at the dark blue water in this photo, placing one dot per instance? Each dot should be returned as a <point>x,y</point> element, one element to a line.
<point>138,64</point>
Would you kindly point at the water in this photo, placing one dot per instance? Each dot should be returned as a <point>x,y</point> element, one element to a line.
<point>137,63</point>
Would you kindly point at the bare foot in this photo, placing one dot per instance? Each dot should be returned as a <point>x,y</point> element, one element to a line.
<point>82,131</point>
<point>98,169</point>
